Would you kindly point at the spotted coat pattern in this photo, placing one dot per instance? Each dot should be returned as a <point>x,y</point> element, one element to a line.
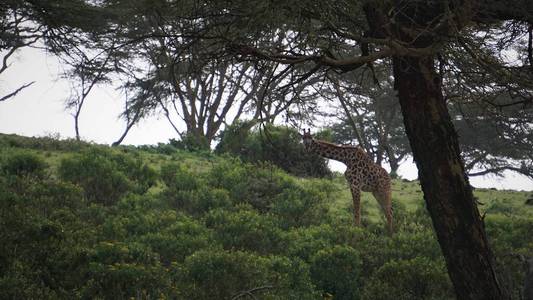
<point>361,173</point>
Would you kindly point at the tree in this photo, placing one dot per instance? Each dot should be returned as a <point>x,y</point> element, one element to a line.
<point>369,115</point>
<point>57,26</point>
<point>204,97</point>
<point>494,135</point>
<point>166,72</point>
<point>490,98</point>
<point>17,31</point>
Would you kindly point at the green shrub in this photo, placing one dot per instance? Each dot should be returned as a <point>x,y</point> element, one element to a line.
<point>178,240</point>
<point>500,207</point>
<point>189,192</point>
<point>98,177</point>
<point>258,186</point>
<point>125,270</point>
<point>191,142</point>
<point>417,278</point>
<point>49,142</point>
<point>209,274</point>
<point>336,270</point>
<point>507,233</point>
<point>24,163</point>
<point>307,241</point>
<point>278,145</point>
<point>137,171</point>
<point>245,229</point>
<point>301,204</point>
<point>177,177</point>
<point>106,177</point>
<point>39,234</point>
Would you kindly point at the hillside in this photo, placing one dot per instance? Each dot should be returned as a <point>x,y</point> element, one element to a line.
<point>87,221</point>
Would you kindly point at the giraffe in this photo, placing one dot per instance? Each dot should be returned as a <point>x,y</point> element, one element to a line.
<point>361,173</point>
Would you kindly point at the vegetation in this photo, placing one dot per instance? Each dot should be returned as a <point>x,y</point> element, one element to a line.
<point>201,63</point>
<point>279,145</point>
<point>87,221</point>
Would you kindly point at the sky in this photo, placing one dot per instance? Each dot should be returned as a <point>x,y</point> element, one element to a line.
<point>39,111</point>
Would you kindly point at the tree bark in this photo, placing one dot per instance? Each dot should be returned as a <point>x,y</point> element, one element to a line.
<point>447,193</point>
<point>528,279</point>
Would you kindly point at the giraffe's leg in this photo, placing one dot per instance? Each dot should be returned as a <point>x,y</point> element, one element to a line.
<point>356,198</point>
<point>385,201</point>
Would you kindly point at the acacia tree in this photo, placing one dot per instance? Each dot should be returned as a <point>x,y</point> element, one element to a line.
<point>166,71</point>
<point>490,96</point>
<point>369,115</point>
<point>206,96</point>
<point>16,32</point>
<point>495,131</point>
<point>60,28</point>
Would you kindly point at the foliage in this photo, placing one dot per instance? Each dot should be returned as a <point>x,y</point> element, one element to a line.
<point>106,176</point>
<point>224,274</point>
<point>191,142</point>
<point>336,271</point>
<point>246,229</point>
<point>24,164</point>
<point>51,142</point>
<point>279,145</point>
<point>417,278</point>
<point>312,38</point>
<point>221,229</point>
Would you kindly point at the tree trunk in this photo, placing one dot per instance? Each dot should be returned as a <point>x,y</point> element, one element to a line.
<point>528,279</point>
<point>394,166</point>
<point>449,199</point>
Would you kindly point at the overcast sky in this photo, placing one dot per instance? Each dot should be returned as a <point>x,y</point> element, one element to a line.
<point>39,110</point>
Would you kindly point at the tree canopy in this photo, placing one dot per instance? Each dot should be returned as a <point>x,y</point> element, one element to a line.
<point>467,61</point>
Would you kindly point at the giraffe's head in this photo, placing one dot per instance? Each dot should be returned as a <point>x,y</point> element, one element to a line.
<point>307,138</point>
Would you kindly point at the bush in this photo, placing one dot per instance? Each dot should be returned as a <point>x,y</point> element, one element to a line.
<point>177,177</point>
<point>417,278</point>
<point>191,142</point>
<point>336,270</point>
<point>24,164</point>
<point>245,229</point>
<point>509,237</point>
<point>178,240</point>
<point>50,142</point>
<point>39,233</point>
<point>302,204</point>
<point>255,185</point>
<point>125,270</point>
<point>189,192</point>
<point>278,145</point>
<point>106,177</point>
<point>509,233</point>
<point>209,274</point>
<point>306,242</point>
<point>98,177</point>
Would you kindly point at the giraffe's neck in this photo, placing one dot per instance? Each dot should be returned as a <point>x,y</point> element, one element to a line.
<point>328,150</point>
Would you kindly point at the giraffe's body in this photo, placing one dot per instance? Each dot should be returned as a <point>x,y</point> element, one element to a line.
<point>361,173</point>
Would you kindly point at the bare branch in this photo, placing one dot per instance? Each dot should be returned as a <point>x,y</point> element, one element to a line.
<point>250,292</point>
<point>524,171</point>
<point>13,94</point>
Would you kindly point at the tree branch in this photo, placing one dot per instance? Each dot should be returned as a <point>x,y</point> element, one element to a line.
<point>250,292</point>
<point>524,171</point>
<point>13,94</point>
